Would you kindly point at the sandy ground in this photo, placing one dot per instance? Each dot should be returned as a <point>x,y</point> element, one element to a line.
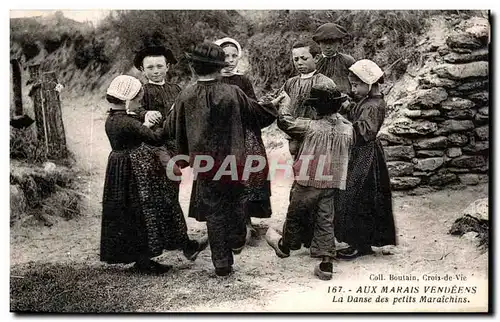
<point>281,284</point>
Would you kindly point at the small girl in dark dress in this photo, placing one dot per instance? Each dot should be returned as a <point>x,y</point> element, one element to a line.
<point>141,216</point>
<point>365,218</point>
<point>258,188</point>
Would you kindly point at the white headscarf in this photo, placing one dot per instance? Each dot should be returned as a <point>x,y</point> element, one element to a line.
<point>125,88</point>
<point>227,40</point>
<point>220,42</point>
<point>367,71</point>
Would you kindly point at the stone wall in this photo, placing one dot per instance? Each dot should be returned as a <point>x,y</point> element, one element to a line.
<point>440,133</point>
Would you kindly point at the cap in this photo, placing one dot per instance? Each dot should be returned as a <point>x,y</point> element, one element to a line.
<point>329,31</point>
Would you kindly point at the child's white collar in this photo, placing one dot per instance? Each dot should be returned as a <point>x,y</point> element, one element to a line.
<point>157,83</point>
<point>309,75</point>
<point>324,56</point>
<point>231,73</point>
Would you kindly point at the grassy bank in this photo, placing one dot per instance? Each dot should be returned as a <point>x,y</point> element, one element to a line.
<point>96,289</point>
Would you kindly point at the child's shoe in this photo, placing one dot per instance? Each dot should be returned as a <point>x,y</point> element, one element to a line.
<point>192,253</point>
<point>238,250</point>
<point>223,271</point>
<point>351,253</point>
<point>252,235</point>
<point>273,239</point>
<point>324,271</point>
<point>151,267</point>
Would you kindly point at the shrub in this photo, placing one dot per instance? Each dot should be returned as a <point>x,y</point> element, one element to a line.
<point>49,33</point>
<point>25,146</point>
<point>30,48</point>
<point>84,56</point>
<point>43,193</point>
<point>270,59</point>
<point>90,50</point>
<point>52,45</point>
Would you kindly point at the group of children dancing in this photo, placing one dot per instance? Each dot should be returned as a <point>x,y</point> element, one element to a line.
<point>331,112</point>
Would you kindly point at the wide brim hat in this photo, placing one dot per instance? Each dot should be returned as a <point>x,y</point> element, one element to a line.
<point>325,92</point>
<point>329,31</point>
<point>224,41</point>
<point>154,51</point>
<point>327,98</point>
<point>367,71</point>
<point>208,53</point>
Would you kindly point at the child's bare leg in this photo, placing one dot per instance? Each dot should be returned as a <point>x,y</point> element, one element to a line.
<point>302,201</point>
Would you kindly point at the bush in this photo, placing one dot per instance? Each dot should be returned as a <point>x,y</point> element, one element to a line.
<point>270,59</point>
<point>25,146</point>
<point>53,41</point>
<point>43,193</point>
<point>90,50</point>
<point>49,33</point>
<point>30,48</point>
<point>52,45</point>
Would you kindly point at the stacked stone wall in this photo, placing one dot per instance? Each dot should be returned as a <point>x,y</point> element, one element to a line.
<point>440,134</point>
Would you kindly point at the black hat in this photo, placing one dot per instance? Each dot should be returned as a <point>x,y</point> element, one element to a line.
<point>325,92</point>
<point>328,31</point>
<point>207,53</point>
<point>156,50</point>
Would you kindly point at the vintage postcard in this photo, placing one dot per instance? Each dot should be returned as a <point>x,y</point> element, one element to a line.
<point>249,161</point>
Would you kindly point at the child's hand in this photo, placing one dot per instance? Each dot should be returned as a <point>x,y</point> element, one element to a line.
<point>154,117</point>
<point>148,124</point>
<point>346,107</point>
<point>282,101</point>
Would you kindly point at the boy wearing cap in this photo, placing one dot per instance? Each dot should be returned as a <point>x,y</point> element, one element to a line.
<point>320,171</point>
<point>208,120</point>
<point>154,61</point>
<point>332,63</point>
<point>366,217</point>
<point>305,55</point>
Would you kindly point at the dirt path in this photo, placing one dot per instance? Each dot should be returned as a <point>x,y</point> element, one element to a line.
<point>261,282</point>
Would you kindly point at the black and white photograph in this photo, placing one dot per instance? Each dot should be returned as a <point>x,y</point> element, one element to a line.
<point>201,160</point>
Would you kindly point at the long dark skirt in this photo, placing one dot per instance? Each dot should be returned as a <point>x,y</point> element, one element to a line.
<point>141,213</point>
<point>364,216</point>
<point>258,187</point>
